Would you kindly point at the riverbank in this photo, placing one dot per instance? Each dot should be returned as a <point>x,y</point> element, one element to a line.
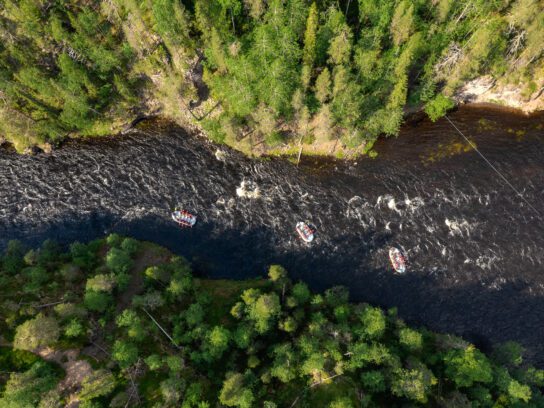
<point>473,97</point>
<point>528,98</point>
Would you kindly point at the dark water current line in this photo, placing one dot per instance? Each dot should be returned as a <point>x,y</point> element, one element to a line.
<point>476,249</point>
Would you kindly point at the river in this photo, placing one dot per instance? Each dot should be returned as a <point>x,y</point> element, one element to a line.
<point>475,247</point>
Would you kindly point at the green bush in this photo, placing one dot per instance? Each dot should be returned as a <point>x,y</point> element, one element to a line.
<point>130,246</point>
<point>114,240</point>
<point>118,261</point>
<point>74,328</point>
<point>100,383</point>
<point>124,353</point>
<point>438,107</point>
<point>37,332</point>
<point>26,389</point>
<point>97,301</point>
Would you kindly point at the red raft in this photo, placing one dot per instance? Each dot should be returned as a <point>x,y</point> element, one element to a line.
<point>305,231</point>
<point>398,260</point>
<point>184,218</point>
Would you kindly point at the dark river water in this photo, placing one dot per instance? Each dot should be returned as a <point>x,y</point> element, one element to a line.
<point>475,247</point>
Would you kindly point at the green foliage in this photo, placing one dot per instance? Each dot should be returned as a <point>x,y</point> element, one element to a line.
<point>82,256</point>
<point>83,70</point>
<point>171,22</point>
<point>401,25</point>
<point>133,324</point>
<point>26,389</point>
<point>301,293</point>
<point>323,86</point>
<point>411,339</point>
<point>100,283</point>
<point>99,383</point>
<point>467,366</point>
<point>125,353</point>
<point>154,362</point>
<point>174,363</point>
<point>234,393</point>
<point>17,360</point>
<point>74,328</point>
<point>12,260</point>
<point>310,36</point>
<point>374,323</point>
<point>373,381</point>
<point>438,106</point>
<point>114,240</point>
<point>217,342</point>
<point>265,309</point>
<point>509,354</point>
<point>277,273</point>
<point>519,391</point>
<point>342,402</point>
<point>130,246</point>
<point>118,260</point>
<point>171,390</point>
<point>97,301</point>
<point>37,332</point>
<point>239,344</point>
<point>413,384</point>
<point>194,314</point>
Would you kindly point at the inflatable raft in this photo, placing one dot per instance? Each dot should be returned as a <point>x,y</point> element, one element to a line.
<point>398,261</point>
<point>184,218</point>
<point>305,231</point>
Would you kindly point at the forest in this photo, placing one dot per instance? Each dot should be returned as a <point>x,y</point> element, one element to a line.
<point>117,322</point>
<point>253,72</point>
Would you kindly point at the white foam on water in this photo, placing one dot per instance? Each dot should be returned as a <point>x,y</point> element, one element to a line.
<point>361,210</point>
<point>220,155</point>
<point>414,204</point>
<point>354,199</point>
<point>486,261</point>
<point>392,205</point>
<point>248,189</point>
<point>458,227</point>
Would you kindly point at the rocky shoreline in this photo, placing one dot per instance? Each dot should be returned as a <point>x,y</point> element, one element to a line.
<point>488,90</point>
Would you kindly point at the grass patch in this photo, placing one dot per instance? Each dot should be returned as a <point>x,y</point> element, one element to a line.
<point>224,294</point>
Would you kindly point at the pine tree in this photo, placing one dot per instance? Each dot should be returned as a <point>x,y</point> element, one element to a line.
<point>310,36</point>
<point>323,86</point>
<point>402,23</point>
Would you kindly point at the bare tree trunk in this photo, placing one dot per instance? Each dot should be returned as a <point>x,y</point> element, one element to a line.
<point>160,327</point>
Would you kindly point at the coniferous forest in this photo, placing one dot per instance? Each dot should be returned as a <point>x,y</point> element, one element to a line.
<point>118,323</point>
<point>253,72</point>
